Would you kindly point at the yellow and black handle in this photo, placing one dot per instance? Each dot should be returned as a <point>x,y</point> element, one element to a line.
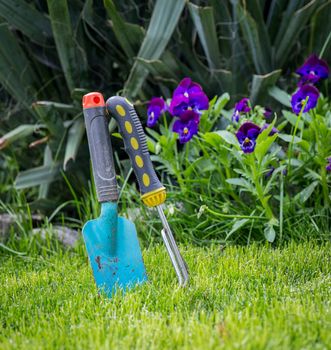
<point>152,191</point>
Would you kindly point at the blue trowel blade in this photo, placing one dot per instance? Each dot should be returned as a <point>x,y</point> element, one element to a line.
<point>114,252</point>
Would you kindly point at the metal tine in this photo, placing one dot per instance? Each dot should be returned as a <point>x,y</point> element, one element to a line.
<point>173,251</point>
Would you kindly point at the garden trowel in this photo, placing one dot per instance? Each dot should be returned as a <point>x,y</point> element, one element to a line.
<point>111,241</point>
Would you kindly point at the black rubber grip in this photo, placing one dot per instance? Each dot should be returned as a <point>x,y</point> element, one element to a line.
<point>135,143</point>
<point>101,154</point>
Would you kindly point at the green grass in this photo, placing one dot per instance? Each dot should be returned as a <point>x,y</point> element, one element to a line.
<point>252,297</point>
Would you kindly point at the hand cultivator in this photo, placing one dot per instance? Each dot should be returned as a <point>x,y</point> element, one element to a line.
<point>111,241</point>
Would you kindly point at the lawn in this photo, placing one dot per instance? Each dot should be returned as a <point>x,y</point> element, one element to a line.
<point>254,297</point>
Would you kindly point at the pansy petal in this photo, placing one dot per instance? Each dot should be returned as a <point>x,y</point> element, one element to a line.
<point>248,147</point>
<point>189,115</point>
<point>300,96</point>
<point>198,101</point>
<point>186,87</point>
<point>186,130</point>
<point>246,135</point>
<point>252,134</point>
<point>314,66</point>
<point>242,106</point>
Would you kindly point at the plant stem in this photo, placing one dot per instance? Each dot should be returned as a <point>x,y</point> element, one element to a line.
<point>320,153</point>
<point>326,43</point>
<point>281,207</point>
<point>325,186</point>
<point>290,148</point>
<point>230,216</point>
<point>259,190</point>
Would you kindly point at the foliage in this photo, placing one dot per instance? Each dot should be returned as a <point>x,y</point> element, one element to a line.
<point>225,188</point>
<point>240,297</point>
<point>53,52</point>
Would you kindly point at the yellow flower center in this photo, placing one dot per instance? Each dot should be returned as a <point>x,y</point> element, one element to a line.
<point>185,131</point>
<point>247,140</point>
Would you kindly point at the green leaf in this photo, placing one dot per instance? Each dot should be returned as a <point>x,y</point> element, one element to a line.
<point>61,107</point>
<point>20,132</point>
<point>256,46</point>
<point>158,69</point>
<point>305,194</point>
<point>48,160</point>
<point>292,118</point>
<point>227,136</point>
<point>236,226</point>
<point>75,135</point>
<point>275,13</point>
<point>286,39</point>
<point>263,142</point>
<point>203,19</point>
<point>239,182</point>
<point>269,233</point>
<point>73,62</point>
<point>221,102</point>
<point>289,138</point>
<point>320,29</point>
<point>280,95</point>
<point>37,176</point>
<point>129,36</point>
<point>163,23</point>
<point>261,83</point>
<point>16,74</point>
<point>24,17</point>
<point>51,117</point>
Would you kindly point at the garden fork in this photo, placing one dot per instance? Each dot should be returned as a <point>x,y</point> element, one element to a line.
<point>153,192</point>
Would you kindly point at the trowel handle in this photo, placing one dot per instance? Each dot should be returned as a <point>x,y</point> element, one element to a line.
<point>100,147</point>
<point>152,191</point>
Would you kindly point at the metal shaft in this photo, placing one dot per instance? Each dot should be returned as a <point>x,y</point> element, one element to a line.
<point>173,251</point>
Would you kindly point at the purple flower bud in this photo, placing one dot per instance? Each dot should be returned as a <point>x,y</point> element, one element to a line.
<point>273,131</point>
<point>156,106</point>
<point>267,112</point>
<point>299,97</point>
<point>241,107</point>
<point>328,166</point>
<point>313,70</point>
<point>247,135</point>
<point>270,172</point>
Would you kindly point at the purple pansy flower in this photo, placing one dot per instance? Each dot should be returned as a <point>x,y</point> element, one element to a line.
<point>196,101</point>
<point>328,166</point>
<point>313,70</point>
<point>187,128</point>
<point>187,87</point>
<point>267,112</point>
<point>247,135</point>
<point>156,106</point>
<point>241,107</point>
<point>299,97</point>
<point>187,102</point>
<point>273,131</point>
